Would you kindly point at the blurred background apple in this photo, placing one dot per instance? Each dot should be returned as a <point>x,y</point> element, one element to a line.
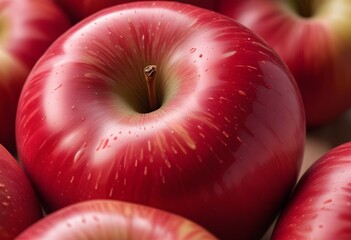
<point>27,28</point>
<point>320,140</point>
<point>314,39</point>
<point>79,9</point>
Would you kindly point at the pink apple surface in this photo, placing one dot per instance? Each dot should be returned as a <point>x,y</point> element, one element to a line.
<point>108,219</point>
<point>79,9</point>
<point>223,146</point>
<point>313,38</point>
<point>19,206</point>
<point>320,206</point>
<point>28,27</point>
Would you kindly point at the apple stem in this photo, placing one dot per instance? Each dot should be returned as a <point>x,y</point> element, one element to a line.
<point>150,77</point>
<point>305,8</point>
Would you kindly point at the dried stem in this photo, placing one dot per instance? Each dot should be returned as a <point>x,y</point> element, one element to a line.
<point>150,77</point>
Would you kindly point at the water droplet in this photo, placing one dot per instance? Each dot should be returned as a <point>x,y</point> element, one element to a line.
<point>60,85</point>
<point>229,54</point>
<point>200,56</point>
<point>268,85</point>
<point>242,93</point>
<point>192,50</point>
<point>78,155</point>
<point>149,145</point>
<point>111,192</point>
<point>225,134</point>
<point>103,144</point>
<point>125,182</point>
<point>174,150</point>
<point>168,164</point>
<point>89,176</point>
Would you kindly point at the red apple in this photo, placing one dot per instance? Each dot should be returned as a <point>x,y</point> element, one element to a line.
<point>320,207</point>
<point>220,142</point>
<point>313,38</point>
<point>19,206</point>
<point>79,9</point>
<point>28,27</point>
<point>108,219</point>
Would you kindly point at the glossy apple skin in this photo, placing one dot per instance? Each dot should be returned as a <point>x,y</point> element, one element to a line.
<point>224,148</point>
<point>316,48</point>
<point>28,27</point>
<point>320,205</point>
<point>109,219</point>
<point>80,9</point>
<point>19,205</point>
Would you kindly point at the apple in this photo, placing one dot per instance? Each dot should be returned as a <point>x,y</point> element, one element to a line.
<point>320,205</point>
<point>167,105</point>
<point>109,219</point>
<point>80,9</point>
<point>28,27</point>
<point>19,205</point>
<point>313,38</point>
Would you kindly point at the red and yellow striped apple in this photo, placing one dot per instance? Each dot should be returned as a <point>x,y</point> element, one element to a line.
<point>108,219</point>
<point>214,131</point>
<point>320,205</point>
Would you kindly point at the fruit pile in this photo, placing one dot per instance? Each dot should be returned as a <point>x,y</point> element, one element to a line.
<point>172,119</point>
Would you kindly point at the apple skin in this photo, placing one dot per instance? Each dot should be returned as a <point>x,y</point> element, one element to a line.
<point>109,219</point>
<point>315,43</point>
<point>223,149</point>
<point>80,9</point>
<point>19,205</point>
<point>28,27</point>
<point>320,205</point>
